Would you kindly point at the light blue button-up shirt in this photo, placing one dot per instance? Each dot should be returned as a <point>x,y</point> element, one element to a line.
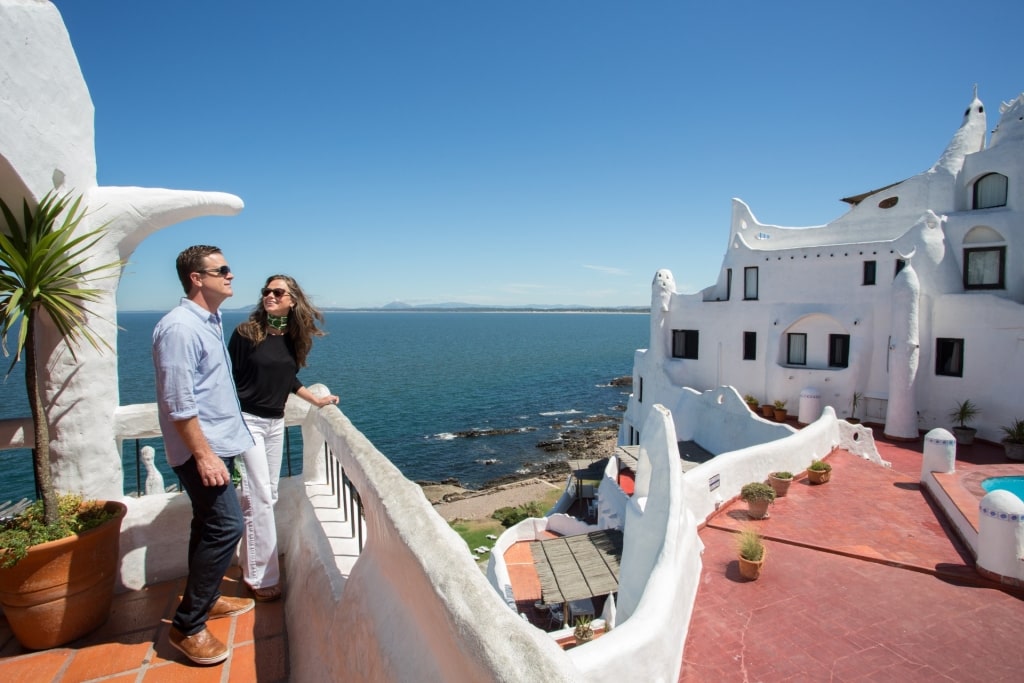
<point>193,379</point>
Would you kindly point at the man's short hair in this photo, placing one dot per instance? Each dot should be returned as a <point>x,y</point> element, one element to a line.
<point>193,260</point>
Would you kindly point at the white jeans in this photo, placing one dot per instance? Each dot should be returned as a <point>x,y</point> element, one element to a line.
<point>261,471</point>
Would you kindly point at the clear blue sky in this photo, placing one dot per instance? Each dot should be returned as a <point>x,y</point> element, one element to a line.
<point>526,152</point>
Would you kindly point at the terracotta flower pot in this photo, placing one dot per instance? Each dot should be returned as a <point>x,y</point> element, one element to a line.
<point>819,476</point>
<point>768,411</point>
<point>63,589</point>
<point>750,569</point>
<point>758,509</point>
<point>781,486</point>
<point>780,414</point>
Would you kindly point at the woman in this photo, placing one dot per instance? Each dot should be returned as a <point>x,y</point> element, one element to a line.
<point>267,352</point>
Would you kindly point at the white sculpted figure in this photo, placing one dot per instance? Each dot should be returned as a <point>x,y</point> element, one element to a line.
<point>47,143</point>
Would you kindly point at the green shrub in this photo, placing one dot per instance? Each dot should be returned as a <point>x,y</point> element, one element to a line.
<point>749,545</point>
<point>28,529</point>
<point>757,490</point>
<point>782,475</point>
<point>510,516</point>
<point>1014,433</point>
<point>820,466</point>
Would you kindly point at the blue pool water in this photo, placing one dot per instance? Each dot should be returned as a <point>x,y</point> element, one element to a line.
<point>1014,485</point>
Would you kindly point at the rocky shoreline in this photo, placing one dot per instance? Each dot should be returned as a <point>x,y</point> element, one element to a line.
<point>577,443</point>
<point>591,438</point>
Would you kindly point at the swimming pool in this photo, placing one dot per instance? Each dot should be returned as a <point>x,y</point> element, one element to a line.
<point>1014,485</point>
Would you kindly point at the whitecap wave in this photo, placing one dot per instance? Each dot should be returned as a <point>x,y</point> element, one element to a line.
<point>552,413</point>
<point>445,436</point>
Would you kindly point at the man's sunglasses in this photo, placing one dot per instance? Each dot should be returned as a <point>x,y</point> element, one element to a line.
<point>277,292</point>
<point>223,271</point>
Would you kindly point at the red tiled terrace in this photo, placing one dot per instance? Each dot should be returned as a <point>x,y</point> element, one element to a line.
<point>864,581</point>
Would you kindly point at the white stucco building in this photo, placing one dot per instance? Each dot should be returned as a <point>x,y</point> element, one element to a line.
<point>913,299</point>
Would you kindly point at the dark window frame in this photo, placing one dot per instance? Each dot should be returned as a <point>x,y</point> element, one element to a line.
<point>1001,284</point>
<point>790,337</point>
<point>686,344</point>
<point>949,357</point>
<point>982,181</point>
<point>839,350</point>
<point>870,272</point>
<point>750,346</point>
<point>747,272</point>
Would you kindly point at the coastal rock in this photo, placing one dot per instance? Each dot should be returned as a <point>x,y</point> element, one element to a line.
<point>472,433</point>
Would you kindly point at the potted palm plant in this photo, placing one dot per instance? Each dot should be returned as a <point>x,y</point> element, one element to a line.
<point>751,550</point>
<point>1013,440</point>
<point>964,413</point>
<point>43,552</point>
<point>584,630</point>
<point>854,402</point>
<point>758,496</point>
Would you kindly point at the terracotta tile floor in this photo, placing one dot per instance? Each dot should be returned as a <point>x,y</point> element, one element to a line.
<point>132,646</point>
<point>864,581</point>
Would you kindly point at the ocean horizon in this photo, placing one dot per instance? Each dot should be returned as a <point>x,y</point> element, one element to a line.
<point>462,394</point>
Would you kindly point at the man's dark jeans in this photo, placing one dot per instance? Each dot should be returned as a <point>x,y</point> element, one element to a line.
<point>216,528</point>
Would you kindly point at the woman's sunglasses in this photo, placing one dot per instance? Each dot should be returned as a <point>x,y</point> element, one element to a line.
<point>277,292</point>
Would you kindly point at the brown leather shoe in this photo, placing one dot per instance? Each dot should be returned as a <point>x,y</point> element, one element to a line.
<point>268,594</point>
<point>230,607</point>
<point>201,648</point>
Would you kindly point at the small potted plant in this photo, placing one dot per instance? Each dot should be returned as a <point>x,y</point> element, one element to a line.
<point>1013,441</point>
<point>584,631</point>
<point>854,402</point>
<point>751,402</point>
<point>751,551</point>
<point>780,481</point>
<point>779,409</point>
<point>768,411</point>
<point>758,496</point>
<point>819,472</point>
<point>964,413</point>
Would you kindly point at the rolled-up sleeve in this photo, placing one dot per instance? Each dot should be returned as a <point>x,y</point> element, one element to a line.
<point>175,359</point>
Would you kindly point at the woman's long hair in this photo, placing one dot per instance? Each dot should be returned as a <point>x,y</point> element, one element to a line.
<point>302,320</point>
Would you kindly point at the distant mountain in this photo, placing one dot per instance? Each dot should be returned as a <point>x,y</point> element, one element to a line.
<point>460,306</point>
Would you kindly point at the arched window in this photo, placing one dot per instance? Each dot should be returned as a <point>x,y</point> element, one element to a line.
<point>990,191</point>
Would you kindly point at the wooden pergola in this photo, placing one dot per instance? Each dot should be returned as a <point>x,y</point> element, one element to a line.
<point>578,567</point>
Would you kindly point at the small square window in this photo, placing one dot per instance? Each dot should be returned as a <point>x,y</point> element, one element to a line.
<point>949,357</point>
<point>685,343</point>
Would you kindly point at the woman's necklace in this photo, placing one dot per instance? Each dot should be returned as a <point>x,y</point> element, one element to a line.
<point>278,322</point>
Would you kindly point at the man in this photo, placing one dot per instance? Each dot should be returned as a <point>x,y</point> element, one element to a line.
<point>203,431</point>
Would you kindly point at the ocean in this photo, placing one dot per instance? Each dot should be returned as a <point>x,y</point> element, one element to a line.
<point>468,395</point>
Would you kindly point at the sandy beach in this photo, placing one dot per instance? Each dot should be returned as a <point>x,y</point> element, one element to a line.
<point>453,502</point>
